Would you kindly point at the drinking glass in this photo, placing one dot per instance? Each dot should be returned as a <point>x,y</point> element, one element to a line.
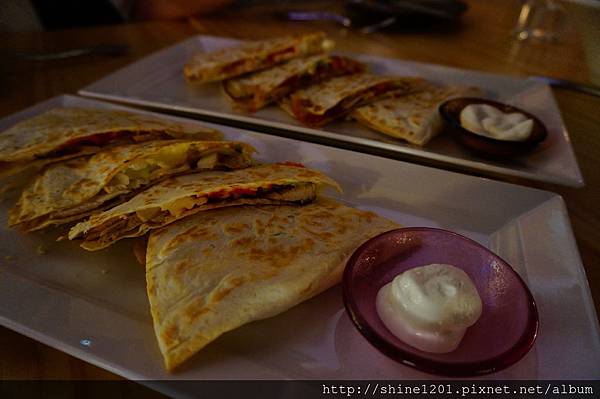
<point>541,20</point>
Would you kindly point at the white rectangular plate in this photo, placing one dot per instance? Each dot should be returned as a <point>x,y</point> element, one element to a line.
<point>94,306</point>
<point>157,81</point>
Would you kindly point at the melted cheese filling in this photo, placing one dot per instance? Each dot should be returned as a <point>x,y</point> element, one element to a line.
<point>160,216</point>
<point>178,207</point>
<point>142,171</point>
<point>290,193</point>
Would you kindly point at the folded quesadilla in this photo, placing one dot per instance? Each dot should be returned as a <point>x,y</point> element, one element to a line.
<point>64,133</point>
<point>414,117</point>
<point>253,56</point>
<point>181,196</point>
<point>73,189</point>
<point>324,102</point>
<point>221,269</point>
<point>254,91</point>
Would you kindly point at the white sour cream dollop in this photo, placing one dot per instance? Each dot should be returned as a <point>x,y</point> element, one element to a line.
<point>430,307</point>
<point>485,120</point>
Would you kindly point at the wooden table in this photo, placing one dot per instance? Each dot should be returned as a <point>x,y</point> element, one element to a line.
<point>482,43</point>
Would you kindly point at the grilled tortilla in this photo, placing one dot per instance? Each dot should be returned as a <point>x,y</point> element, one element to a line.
<point>321,103</point>
<point>254,91</point>
<point>74,189</point>
<point>414,117</point>
<point>253,56</point>
<point>181,196</point>
<point>64,133</point>
<point>221,269</point>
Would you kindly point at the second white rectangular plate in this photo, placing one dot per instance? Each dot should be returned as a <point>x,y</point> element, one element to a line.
<point>157,81</point>
<point>93,305</point>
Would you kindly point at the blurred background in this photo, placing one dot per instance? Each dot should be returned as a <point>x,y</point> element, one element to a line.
<point>548,21</point>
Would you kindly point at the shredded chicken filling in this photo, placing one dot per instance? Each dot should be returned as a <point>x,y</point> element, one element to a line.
<point>127,183</point>
<point>157,217</point>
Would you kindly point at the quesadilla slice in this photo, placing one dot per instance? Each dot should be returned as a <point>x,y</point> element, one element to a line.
<point>254,91</point>
<point>413,117</point>
<point>72,190</point>
<point>182,196</point>
<point>253,56</point>
<point>324,102</point>
<point>64,133</point>
<point>221,269</point>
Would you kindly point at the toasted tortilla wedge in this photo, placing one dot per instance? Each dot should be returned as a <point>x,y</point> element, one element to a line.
<point>413,117</point>
<point>254,91</point>
<point>253,56</point>
<point>72,190</point>
<point>221,269</point>
<point>321,103</point>
<point>64,133</point>
<point>182,196</point>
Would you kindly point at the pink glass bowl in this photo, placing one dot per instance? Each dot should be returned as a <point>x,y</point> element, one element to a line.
<point>503,334</point>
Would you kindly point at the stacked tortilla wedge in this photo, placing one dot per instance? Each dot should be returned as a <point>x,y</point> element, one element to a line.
<point>71,190</point>
<point>253,56</point>
<point>228,241</point>
<point>253,91</point>
<point>317,88</point>
<point>226,248</point>
<point>70,132</point>
<point>183,196</point>
<point>413,117</point>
